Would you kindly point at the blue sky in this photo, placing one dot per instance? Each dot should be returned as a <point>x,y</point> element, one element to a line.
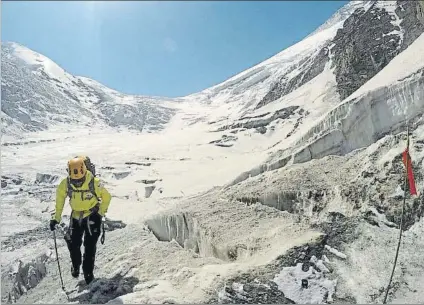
<point>160,48</point>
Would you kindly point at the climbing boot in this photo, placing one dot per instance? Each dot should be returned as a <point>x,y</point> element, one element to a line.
<point>75,272</point>
<point>88,277</point>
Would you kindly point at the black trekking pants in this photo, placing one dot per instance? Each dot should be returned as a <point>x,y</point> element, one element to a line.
<point>90,229</point>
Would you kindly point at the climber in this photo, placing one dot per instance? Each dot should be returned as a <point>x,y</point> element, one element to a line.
<point>89,201</point>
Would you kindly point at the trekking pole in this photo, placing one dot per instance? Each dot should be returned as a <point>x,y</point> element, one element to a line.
<point>58,264</point>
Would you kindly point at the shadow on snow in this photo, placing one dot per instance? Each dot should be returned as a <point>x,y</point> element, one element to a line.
<point>102,290</point>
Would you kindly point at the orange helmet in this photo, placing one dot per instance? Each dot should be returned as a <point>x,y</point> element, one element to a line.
<point>77,168</point>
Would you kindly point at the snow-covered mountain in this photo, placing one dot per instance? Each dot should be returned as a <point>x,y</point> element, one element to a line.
<point>37,93</point>
<point>287,171</point>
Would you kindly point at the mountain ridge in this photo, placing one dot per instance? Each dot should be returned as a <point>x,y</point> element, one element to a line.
<point>347,9</point>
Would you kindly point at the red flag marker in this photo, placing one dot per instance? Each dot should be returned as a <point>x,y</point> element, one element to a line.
<point>408,164</point>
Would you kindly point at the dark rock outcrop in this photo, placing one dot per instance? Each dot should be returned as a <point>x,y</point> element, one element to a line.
<point>45,178</point>
<point>368,41</point>
<point>408,13</point>
<point>225,141</point>
<point>309,68</point>
<point>149,190</point>
<point>283,113</point>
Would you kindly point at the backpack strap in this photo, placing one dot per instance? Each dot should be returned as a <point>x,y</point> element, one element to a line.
<point>69,188</point>
<point>92,189</point>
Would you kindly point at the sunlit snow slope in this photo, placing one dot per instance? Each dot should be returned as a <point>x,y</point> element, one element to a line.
<point>290,170</point>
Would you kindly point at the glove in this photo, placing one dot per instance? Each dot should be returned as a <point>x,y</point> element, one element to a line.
<point>53,224</point>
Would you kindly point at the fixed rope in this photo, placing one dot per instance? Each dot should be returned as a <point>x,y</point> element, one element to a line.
<point>401,220</point>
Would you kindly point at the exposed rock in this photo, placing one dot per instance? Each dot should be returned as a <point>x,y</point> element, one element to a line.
<point>148,181</point>
<point>261,129</point>
<point>412,28</point>
<point>224,144</point>
<point>138,163</point>
<point>308,69</point>
<point>107,167</point>
<point>45,178</point>
<point>368,41</point>
<point>251,292</point>
<point>225,141</point>
<point>121,175</point>
<point>282,113</point>
<point>22,277</point>
<point>255,116</point>
<point>106,290</point>
<point>149,190</point>
<point>364,46</point>
<point>112,225</point>
<point>16,180</point>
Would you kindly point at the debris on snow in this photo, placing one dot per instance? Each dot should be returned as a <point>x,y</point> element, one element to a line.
<point>253,292</point>
<point>320,289</point>
<point>325,258</point>
<point>380,218</point>
<point>319,264</point>
<point>335,252</point>
<point>111,225</point>
<point>148,181</point>
<point>139,163</point>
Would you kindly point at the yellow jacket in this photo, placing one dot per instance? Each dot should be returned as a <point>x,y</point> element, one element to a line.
<point>82,202</point>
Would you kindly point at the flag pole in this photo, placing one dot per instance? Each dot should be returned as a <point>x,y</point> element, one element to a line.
<point>403,211</point>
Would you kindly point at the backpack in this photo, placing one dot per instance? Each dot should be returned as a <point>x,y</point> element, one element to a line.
<point>90,165</point>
